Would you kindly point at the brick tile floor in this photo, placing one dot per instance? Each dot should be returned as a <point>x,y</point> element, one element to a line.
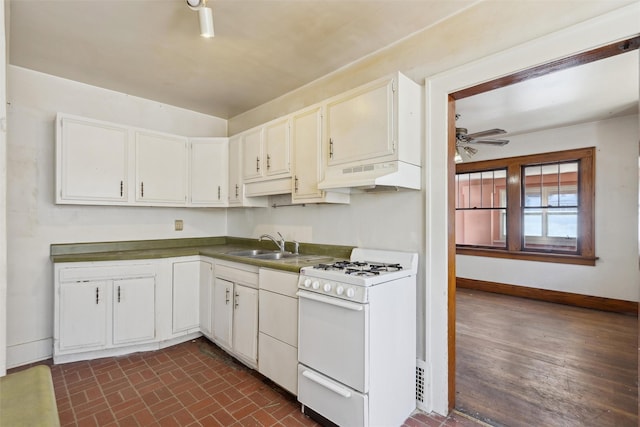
<point>191,384</point>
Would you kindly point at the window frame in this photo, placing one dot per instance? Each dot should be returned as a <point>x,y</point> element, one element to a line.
<point>585,254</point>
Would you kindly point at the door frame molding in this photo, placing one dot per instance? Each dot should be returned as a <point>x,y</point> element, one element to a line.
<point>618,25</point>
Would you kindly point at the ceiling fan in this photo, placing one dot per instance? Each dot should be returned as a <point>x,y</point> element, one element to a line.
<point>464,140</point>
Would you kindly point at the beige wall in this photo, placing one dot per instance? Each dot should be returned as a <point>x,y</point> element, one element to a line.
<point>34,221</point>
<point>485,28</point>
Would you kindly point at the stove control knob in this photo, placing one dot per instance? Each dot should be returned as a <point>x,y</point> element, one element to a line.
<point>351,292</point>
<point>316,285</point>
<point>339,290</point>
<point>327,287</point>
<point>307,283</point>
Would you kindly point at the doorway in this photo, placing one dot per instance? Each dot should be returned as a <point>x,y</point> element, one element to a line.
<point>483,153</point>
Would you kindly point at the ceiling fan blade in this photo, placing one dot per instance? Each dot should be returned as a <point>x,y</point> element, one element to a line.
<point>499,142</point>
<point>487,132</point>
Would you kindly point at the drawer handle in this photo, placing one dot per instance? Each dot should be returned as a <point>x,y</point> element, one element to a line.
<point>327,384</point>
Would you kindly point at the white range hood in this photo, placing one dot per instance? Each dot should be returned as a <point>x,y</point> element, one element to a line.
<point>382,176</point>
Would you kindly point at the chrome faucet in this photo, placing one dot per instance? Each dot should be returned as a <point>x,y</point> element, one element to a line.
<point>279,243</point>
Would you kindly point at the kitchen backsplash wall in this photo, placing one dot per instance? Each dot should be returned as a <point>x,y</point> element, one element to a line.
<point>34,221</point>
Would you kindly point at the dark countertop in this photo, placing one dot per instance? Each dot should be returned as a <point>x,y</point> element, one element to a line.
<point>214,247</point>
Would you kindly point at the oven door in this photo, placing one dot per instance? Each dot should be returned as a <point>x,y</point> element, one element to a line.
<point>333,338</point>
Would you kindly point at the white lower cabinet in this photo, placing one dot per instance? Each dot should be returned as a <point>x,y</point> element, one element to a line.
<point>82,315</point>
<point>235,310</point>
<point>186,293</point>
<point>102,307</point>
<point>134,312</point>
<point>278,338</point>
<point>222,312</point>
<point>205,301</point>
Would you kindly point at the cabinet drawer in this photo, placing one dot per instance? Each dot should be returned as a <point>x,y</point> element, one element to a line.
<point>279,362</point>
<point>279,282</point>
<point>237,275</point>
<point>278,317</point>
<point>79,274</point>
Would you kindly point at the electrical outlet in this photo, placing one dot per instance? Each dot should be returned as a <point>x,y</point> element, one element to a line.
<point>179,224</point>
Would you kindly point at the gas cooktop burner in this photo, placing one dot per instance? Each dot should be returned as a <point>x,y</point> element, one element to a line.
<point>359,268</point>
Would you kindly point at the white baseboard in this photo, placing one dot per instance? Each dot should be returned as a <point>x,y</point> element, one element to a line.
<point>23,354</point>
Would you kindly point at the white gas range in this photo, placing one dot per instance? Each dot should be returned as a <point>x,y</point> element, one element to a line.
<point>357,339</point>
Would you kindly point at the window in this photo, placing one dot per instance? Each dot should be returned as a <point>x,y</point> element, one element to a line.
<point>537,207</point>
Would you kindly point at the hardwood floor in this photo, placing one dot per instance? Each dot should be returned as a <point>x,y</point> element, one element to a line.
<point>522,362</point>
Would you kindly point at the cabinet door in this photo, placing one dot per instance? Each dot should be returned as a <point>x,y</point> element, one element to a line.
<point>209,172</point>
<point>252,164</point>
<point>133,310</point>
<point>161,168</point>
<point>360,125</point>
<point>277,148</point>
<point>306,150</point>
<point>245,322</point>
<point>186,289</point>
<point>83,315</point>
<point>205,298</point>
<point>279,317</point>
<point>92,161</point>
<point>235,171</point>
<point>222,312</point>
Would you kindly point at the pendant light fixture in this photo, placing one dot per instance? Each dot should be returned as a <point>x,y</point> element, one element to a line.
<point>205,16</point>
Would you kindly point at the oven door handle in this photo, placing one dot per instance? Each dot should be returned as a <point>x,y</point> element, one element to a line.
<point>327,384</point>
<point>331,301</point>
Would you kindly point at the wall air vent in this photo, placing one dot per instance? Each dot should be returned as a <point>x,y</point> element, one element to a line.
<point>421,385</point>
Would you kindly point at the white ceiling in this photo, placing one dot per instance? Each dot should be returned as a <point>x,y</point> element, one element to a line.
<point>595,91</point>
<point>262,49</point>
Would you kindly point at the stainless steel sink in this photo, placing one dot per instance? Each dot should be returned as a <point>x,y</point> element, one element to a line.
<point>276,255</point>
<point>251,253</point>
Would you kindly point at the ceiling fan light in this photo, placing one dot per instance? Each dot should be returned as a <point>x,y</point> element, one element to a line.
<point>206,22</point>
<point>470,150</point>
<point>457,158</point>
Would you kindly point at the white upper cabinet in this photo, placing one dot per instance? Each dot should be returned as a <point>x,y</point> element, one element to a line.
<point>92,161</point>
<point>101,163</point>
<point>277,148</point>
<point>373,136</point>
<point>161,168</point>
<point>360,124</point>
<point>209,172</point>
<point>266,151</point>
<point>306,129</point>
<point>252,163</point>
<point>237,196</point>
